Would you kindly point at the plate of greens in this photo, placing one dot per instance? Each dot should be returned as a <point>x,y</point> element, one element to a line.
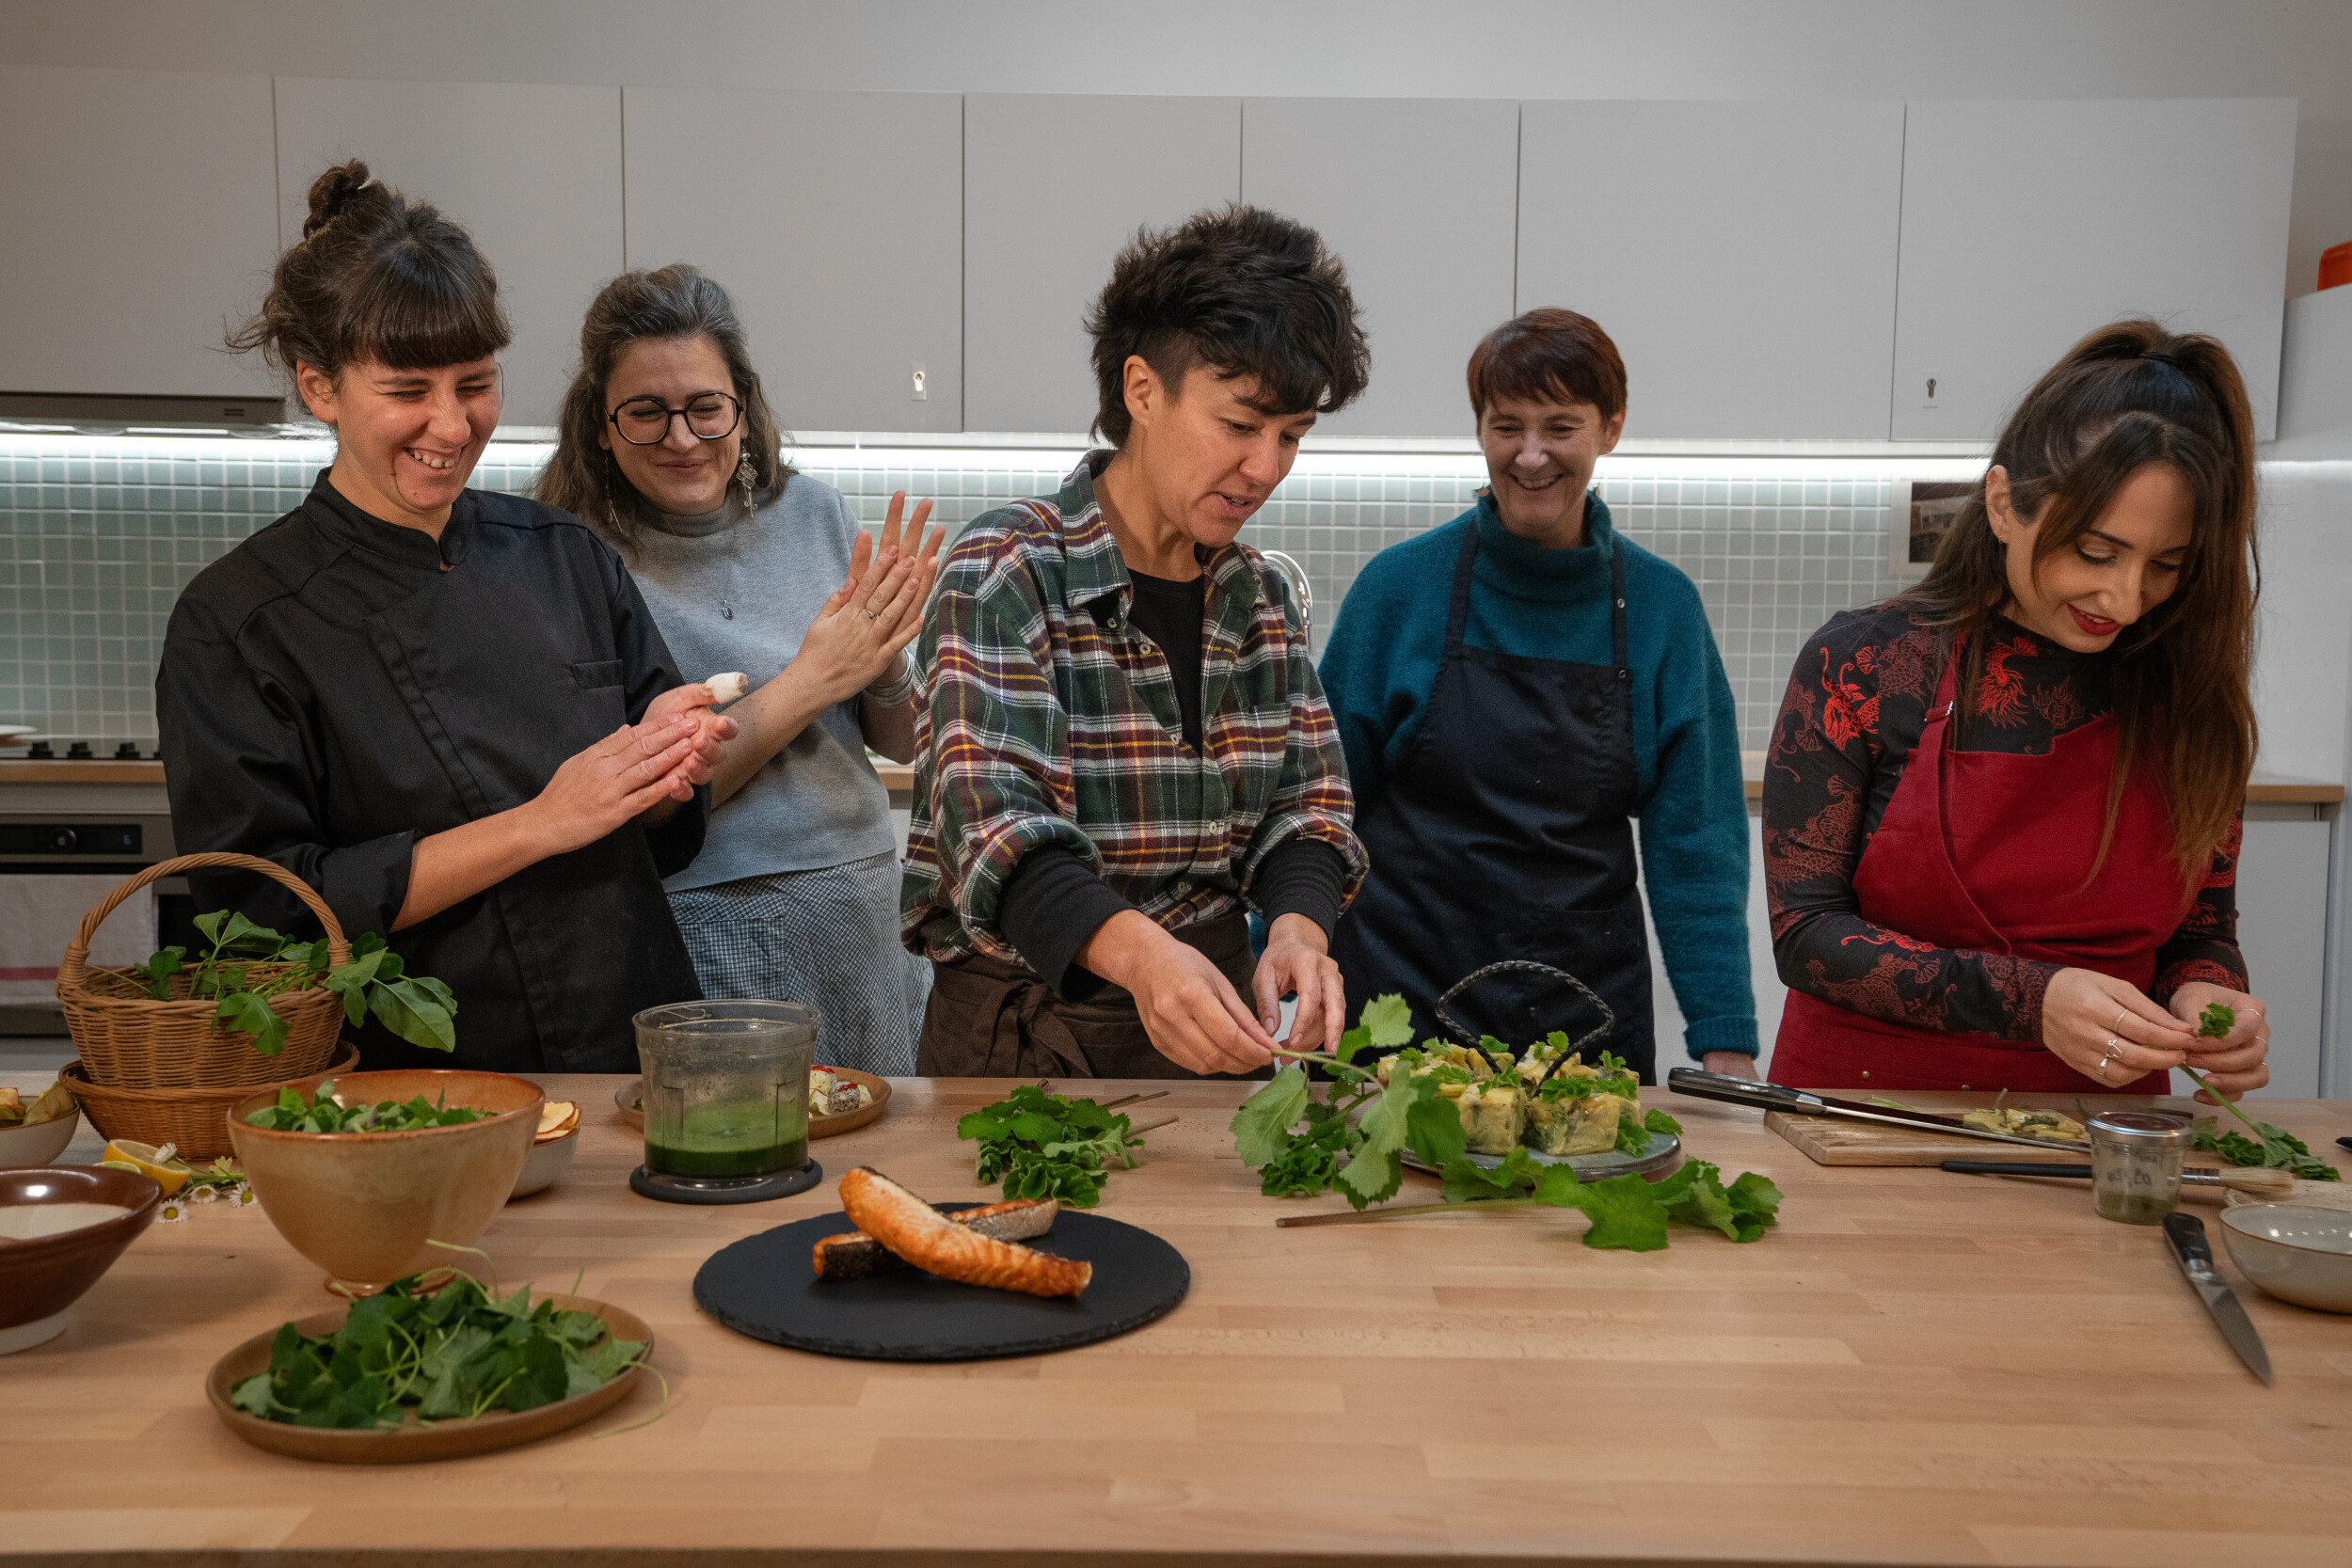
<point>416,1373</point>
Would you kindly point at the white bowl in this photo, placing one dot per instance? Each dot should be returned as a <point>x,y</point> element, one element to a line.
<point>546,1164</point>
<point>39,1143</point>
<point>2293,1251</point>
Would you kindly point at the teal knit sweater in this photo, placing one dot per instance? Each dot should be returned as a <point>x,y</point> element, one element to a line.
<point>1381,660</point>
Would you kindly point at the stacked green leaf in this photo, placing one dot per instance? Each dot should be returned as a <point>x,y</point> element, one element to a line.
<point>1042,1146</point>
<point>452,1354</point>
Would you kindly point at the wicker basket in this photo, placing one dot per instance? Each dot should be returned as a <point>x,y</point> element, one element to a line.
<point>129,1040</point>
<point>196,1119</point>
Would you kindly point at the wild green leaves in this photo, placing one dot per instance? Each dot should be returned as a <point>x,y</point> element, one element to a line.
<point>418,1009</point>
<point>1042,1145</point>
<point>1628,1214</point>
<point>448,1355</point>
<point>1362,1157</point>
<point>321,1113</point>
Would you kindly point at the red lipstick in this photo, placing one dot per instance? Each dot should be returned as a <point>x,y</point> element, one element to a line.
<point>2093,626</point>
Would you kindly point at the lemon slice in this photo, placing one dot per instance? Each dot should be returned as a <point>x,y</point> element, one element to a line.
<point>163,1164</point>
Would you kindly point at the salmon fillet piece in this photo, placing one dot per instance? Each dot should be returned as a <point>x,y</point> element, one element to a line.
<point>937,1244</point>
<point>858,1256</point>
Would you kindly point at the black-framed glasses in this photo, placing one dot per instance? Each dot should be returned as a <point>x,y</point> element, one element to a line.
<point>645,421</point>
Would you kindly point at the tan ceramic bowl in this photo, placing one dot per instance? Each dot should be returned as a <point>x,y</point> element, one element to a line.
<point>366,1206</point>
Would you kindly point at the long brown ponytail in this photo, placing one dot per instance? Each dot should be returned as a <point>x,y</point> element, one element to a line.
<point>2129,395</point>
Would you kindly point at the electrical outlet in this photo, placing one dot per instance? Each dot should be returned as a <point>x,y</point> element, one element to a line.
<point>922,383</point>
<point>1929,400</point>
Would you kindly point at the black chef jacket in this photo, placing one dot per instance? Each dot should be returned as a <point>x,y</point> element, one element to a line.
<point>328,695</point>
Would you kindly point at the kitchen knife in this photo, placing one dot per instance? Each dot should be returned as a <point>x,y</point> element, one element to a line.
<point>2264,1183</point>
<point>1777,1097</point>
<point>2186,1233</point>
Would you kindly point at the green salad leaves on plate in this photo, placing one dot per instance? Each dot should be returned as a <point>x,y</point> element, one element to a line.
<point>450,1355</point>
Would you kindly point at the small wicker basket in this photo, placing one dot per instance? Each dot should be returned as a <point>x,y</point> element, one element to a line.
<point>130,1040</point>
<point>196,1119</point>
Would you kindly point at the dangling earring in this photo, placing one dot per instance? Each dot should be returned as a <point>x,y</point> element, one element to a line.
<point>745,472</point>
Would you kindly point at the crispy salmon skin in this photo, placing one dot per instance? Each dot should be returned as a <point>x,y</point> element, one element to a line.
<point>937,1244</point>
<point>858,1256</point>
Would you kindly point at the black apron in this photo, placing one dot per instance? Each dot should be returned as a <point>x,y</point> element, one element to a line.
<point>1505,832</point>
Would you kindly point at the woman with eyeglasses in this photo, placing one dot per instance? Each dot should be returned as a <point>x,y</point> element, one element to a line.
<point>668,447</point>
<point>446,711</point>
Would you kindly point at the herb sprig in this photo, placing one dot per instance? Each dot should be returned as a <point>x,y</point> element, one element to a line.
<point>2271,1147</point>
<point>321,1113</point>
<point>417,1007</point>
<point>1042,1145</point>
<point>1627,1212</point>
<point>1300,1146</point>
<point>448,1355</point>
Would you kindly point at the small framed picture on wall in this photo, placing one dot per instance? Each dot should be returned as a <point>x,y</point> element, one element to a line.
<point>1919,513</point>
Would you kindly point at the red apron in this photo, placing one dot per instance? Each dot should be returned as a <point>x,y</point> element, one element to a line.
<point>1987,851</point>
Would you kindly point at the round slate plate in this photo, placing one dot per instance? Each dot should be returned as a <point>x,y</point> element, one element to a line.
<point>763,1286</point>
<point>1663,1154</point>
<point>630,1099</point>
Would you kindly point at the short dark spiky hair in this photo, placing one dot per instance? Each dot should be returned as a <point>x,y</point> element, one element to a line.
<point>1243,291</point>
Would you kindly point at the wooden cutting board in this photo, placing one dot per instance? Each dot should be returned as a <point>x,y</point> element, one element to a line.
<point>1831,1141</point>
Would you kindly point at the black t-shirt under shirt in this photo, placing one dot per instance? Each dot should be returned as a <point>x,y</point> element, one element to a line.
<point>1054,903</point>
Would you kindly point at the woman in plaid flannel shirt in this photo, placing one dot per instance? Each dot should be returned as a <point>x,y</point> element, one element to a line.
<point>1125,746</point>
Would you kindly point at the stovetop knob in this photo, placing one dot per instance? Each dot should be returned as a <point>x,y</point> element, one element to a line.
<point>79,752</point>
<point>127,752</point>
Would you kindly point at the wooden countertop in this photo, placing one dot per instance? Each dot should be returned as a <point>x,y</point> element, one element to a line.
<point>2263,789</point>
<point>1914,1368</point>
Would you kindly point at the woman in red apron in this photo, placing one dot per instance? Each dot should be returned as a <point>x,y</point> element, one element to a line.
<point>2001,810</point>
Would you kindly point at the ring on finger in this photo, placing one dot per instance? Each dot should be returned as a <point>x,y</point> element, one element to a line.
<point>2103,1068</point>
<point>2115,1049</point>
<point>2117,1027</point>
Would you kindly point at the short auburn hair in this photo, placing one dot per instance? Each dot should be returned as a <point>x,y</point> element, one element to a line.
<point>1547,356</point>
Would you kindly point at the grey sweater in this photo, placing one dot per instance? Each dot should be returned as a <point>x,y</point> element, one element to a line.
<point>818,802</point>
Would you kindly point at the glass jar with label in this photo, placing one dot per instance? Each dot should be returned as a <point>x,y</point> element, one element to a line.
<point>2135,1159</point>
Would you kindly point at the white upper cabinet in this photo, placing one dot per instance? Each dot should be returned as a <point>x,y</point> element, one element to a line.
<point>835,219</point>
<point>533,173</point>
<point>140,225</point>
<point>2026,225</point>
<point>1418,197</point>
<point>1052,187</point>
<point>1741,257</point>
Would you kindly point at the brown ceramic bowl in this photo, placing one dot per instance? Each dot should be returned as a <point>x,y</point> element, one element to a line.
<point>366,1206</point>
<point>40,1277</point>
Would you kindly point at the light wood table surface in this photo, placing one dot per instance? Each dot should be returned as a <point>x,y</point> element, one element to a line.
<point>1914,1368</point>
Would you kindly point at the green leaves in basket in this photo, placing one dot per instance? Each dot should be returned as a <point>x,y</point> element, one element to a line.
<point>417,1007</point>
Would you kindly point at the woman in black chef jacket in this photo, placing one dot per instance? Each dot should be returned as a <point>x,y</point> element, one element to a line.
<point>446,711</point>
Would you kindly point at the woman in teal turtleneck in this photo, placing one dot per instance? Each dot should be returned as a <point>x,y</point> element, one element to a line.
<point>1514,690</point>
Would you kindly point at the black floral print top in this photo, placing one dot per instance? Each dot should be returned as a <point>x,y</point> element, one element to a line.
<point>1856,704</point>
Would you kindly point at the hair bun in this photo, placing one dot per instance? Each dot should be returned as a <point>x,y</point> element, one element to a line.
<point>335,192</point>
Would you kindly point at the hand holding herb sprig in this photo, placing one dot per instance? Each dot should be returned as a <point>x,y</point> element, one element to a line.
<point>2272,1148</point>
<point>418,1009</point>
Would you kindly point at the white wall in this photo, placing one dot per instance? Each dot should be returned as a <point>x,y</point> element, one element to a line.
<point>1738,49</point>
<point>2302,694</point>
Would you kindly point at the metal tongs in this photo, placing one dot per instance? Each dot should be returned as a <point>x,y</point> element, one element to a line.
<point>1703,1085</point>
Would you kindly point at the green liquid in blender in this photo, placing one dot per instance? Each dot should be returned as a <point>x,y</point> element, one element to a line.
<point>739,1139</point>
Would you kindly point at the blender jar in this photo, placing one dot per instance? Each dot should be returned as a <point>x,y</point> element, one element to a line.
<point>725,1098</point>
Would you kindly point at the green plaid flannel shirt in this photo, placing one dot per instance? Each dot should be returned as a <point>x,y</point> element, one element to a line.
<point>1051,719</point>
